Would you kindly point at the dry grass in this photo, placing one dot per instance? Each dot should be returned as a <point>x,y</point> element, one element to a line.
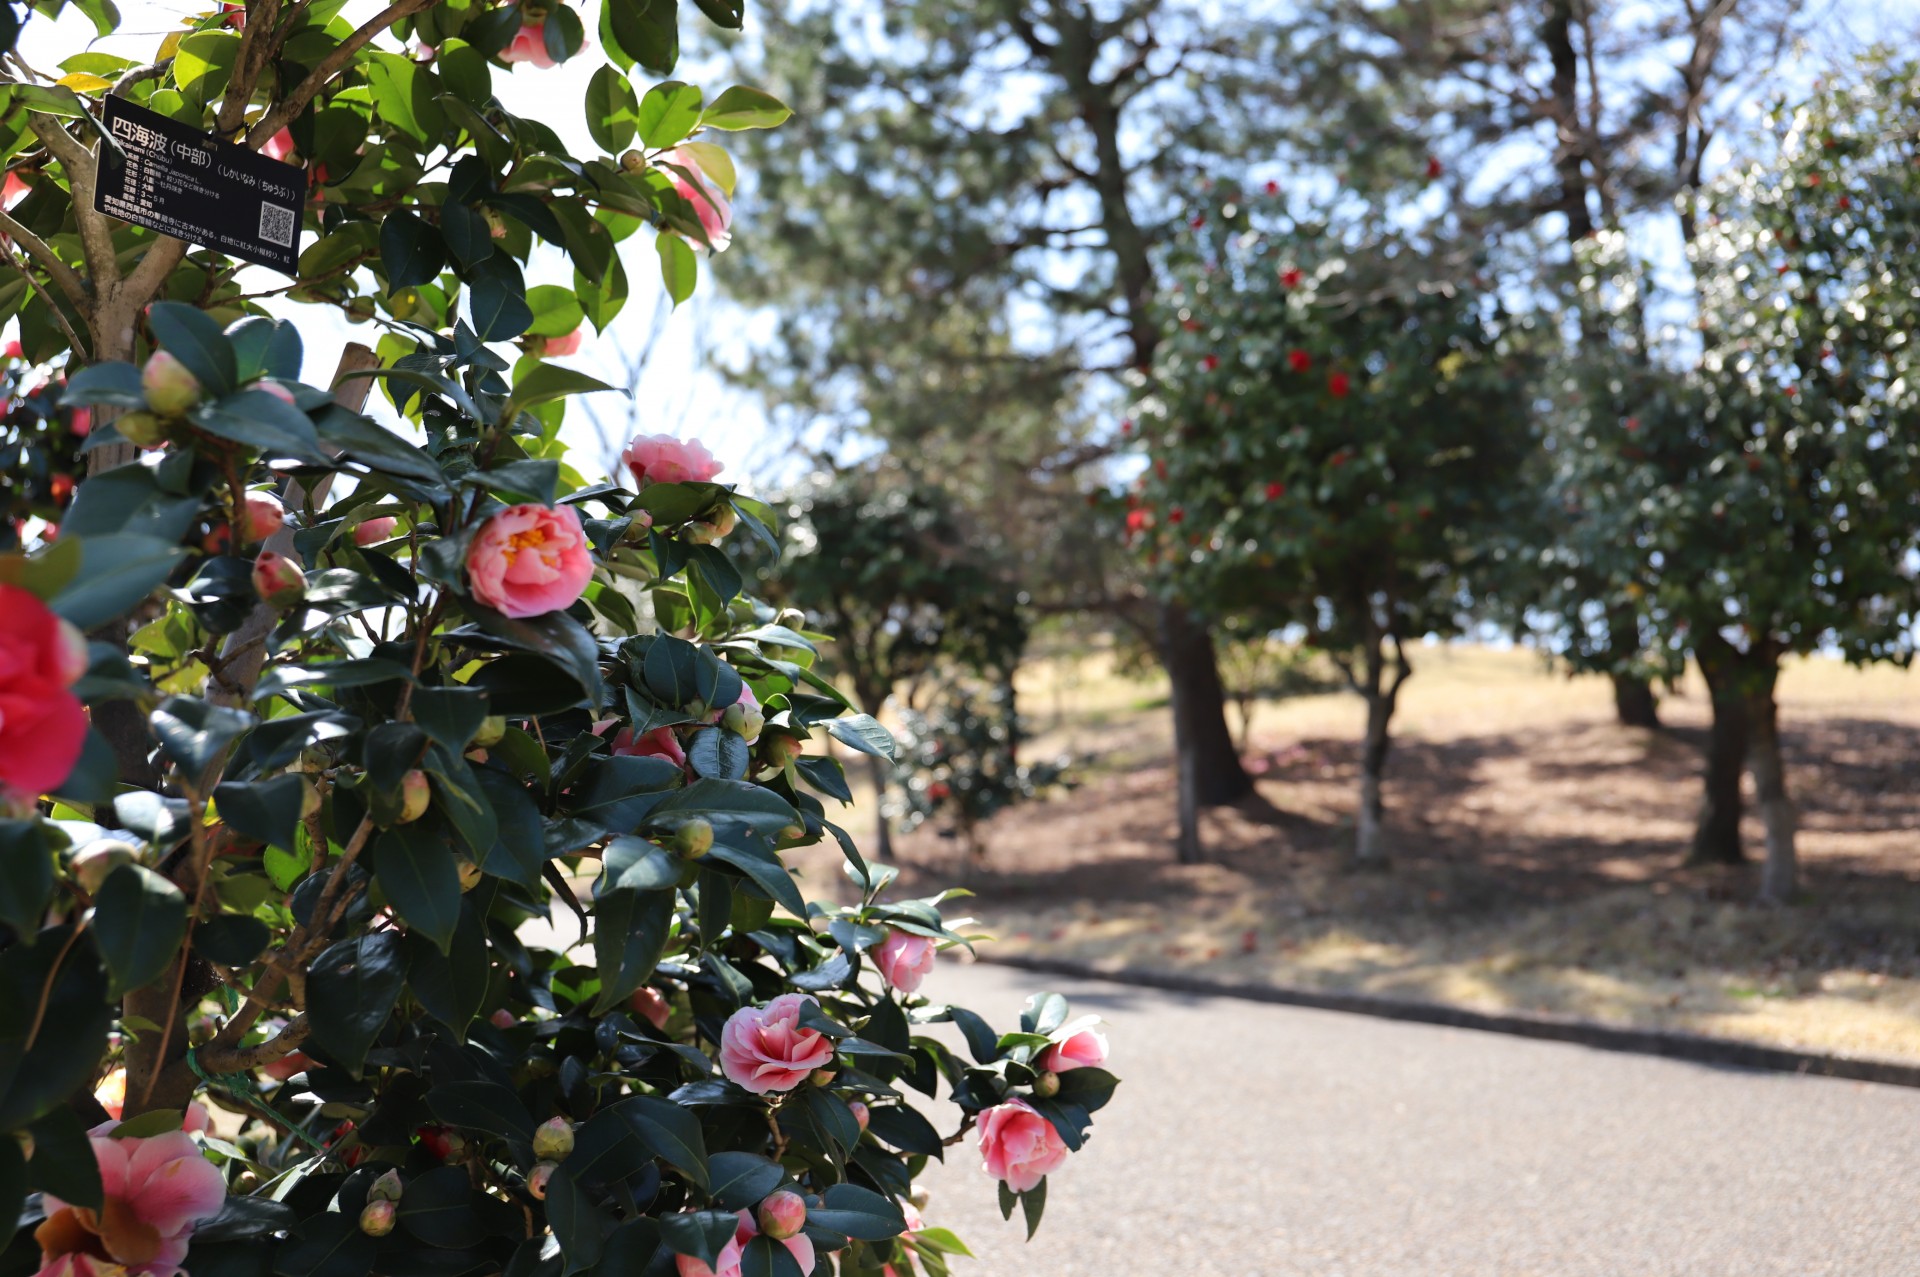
<point>1536,848</point>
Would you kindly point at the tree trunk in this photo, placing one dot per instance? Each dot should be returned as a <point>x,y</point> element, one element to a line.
<point>1369,842</point>
<point>1633,701</point>
<point>1770,788</point>
<point>1716,835</point>
<point>881,771</point>
<point>1210,774</point>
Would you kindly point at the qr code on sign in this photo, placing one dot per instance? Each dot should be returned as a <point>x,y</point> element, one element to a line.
<point>278,225</point>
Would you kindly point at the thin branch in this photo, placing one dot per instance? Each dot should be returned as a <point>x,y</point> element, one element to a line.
<point>96,237</point>
<point>64,275</point>
<point>135,75</point>
<point>282,115</point>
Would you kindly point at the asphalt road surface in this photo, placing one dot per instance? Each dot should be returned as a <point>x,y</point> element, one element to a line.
<point>1251,1140</point>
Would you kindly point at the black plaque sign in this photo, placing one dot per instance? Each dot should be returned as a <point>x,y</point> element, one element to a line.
<point>161,174</point>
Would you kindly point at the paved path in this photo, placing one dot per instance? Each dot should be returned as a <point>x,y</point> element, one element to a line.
<point>1253,1140</point>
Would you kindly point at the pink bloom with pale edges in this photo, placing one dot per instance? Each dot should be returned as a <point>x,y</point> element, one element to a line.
<point>374,531</point>
<point>42,725</point>
<point>904,959</point>
<point>727,1262</point>
<point>700,190</point>
<point>157,1190</point>
<point>529,45</point>
<point>1076,1046</point>
<point>765,1049</point>
<point>658,743</point>
<point>1019,1146</point>
<point>665,459</point>
<point>529,560</point>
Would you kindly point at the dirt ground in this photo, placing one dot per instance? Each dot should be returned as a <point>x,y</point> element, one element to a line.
<point>1536,849</point>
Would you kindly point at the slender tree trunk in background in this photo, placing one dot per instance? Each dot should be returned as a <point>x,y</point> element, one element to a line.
<point>1369,841</point>
<point>1210,774</point>
<point>1633,701</point>
<point>1716,835</point>
<point>1770,787</point>
<point>882,772</point>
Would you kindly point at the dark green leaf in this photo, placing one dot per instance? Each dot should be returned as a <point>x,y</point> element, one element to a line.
<point>265,810</point>
<point>415,869</point>
<point>192,336</point>
<point>859,1213</point>
<point>741,1180</point>
<point>629,935</point>
<point>670,1132</point>
<point>351,989</point>
<point>140,919</point>
<point>411,250</point>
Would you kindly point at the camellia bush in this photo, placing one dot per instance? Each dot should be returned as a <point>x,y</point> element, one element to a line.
<point>391,864</point>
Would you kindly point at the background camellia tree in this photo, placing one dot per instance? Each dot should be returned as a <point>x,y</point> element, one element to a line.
<point>390,700</point>
<point>914,601</point>
<point>1333,429</point>
<point>1766,491</point>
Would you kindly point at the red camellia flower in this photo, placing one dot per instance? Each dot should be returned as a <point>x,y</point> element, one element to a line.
<point>1291,277</point>
<point>42,725</point>
<point>1633,423</point>
<point>1198,221</point>
<point>1433,168</point>
<point>1299,360</point>
<point>1275,491</point>
<point>1210,362</point>
<point>1338,385</point>
<point>1138,520</point>
<point>61,485</point>
<point>1273,188</point>
<point>1176,514</point>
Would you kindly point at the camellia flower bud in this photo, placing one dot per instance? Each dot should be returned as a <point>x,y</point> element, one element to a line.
<point>376,1218</point>
<point>492,728</point>
<point>278,580</point>
<point>537,1181</point>
<point>415,794</point>
<point>633,162</point>
<point>374,531</point>
<point>265,515</point>
<point>823,1077</point>
<point>470,874</point>
<point>782,1215</point>
<point>780,751</point>
<point>170,389</point>
<point>553,1139</point>
<point>502,1019</point>
<point>651,1005</point>
<point>142,429</point>
<point>724,521</point>
<point>693,839</point>
<point>1047,1085</point>
<point>860,1113</point>
<point>92,863</point>
<point>703,533</point>
<point>636,530</point>
<point>744,721</point>
<point>387,1188</point>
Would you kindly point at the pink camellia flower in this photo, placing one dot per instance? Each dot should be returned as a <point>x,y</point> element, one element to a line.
<point>529,560</point>
<point>82,423</point>
<point>265,515</point>
<point>699,189</point>
<point>904,959</point>
<point>665,459</point>
<point>275,389</point>
<point>13,190</point>
<point>374,531</point>
<point>42,724</point>
<point>1076,1046</point>
<point>558,346</point>
<point>157,1190</point>
<point>279,147</point>
<point>529,45</point>
<point>658,743</point>
<point>727,1262</point>
<point>1020,1147</point>
<point>765,1049</point>
<point>651,1005</point>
